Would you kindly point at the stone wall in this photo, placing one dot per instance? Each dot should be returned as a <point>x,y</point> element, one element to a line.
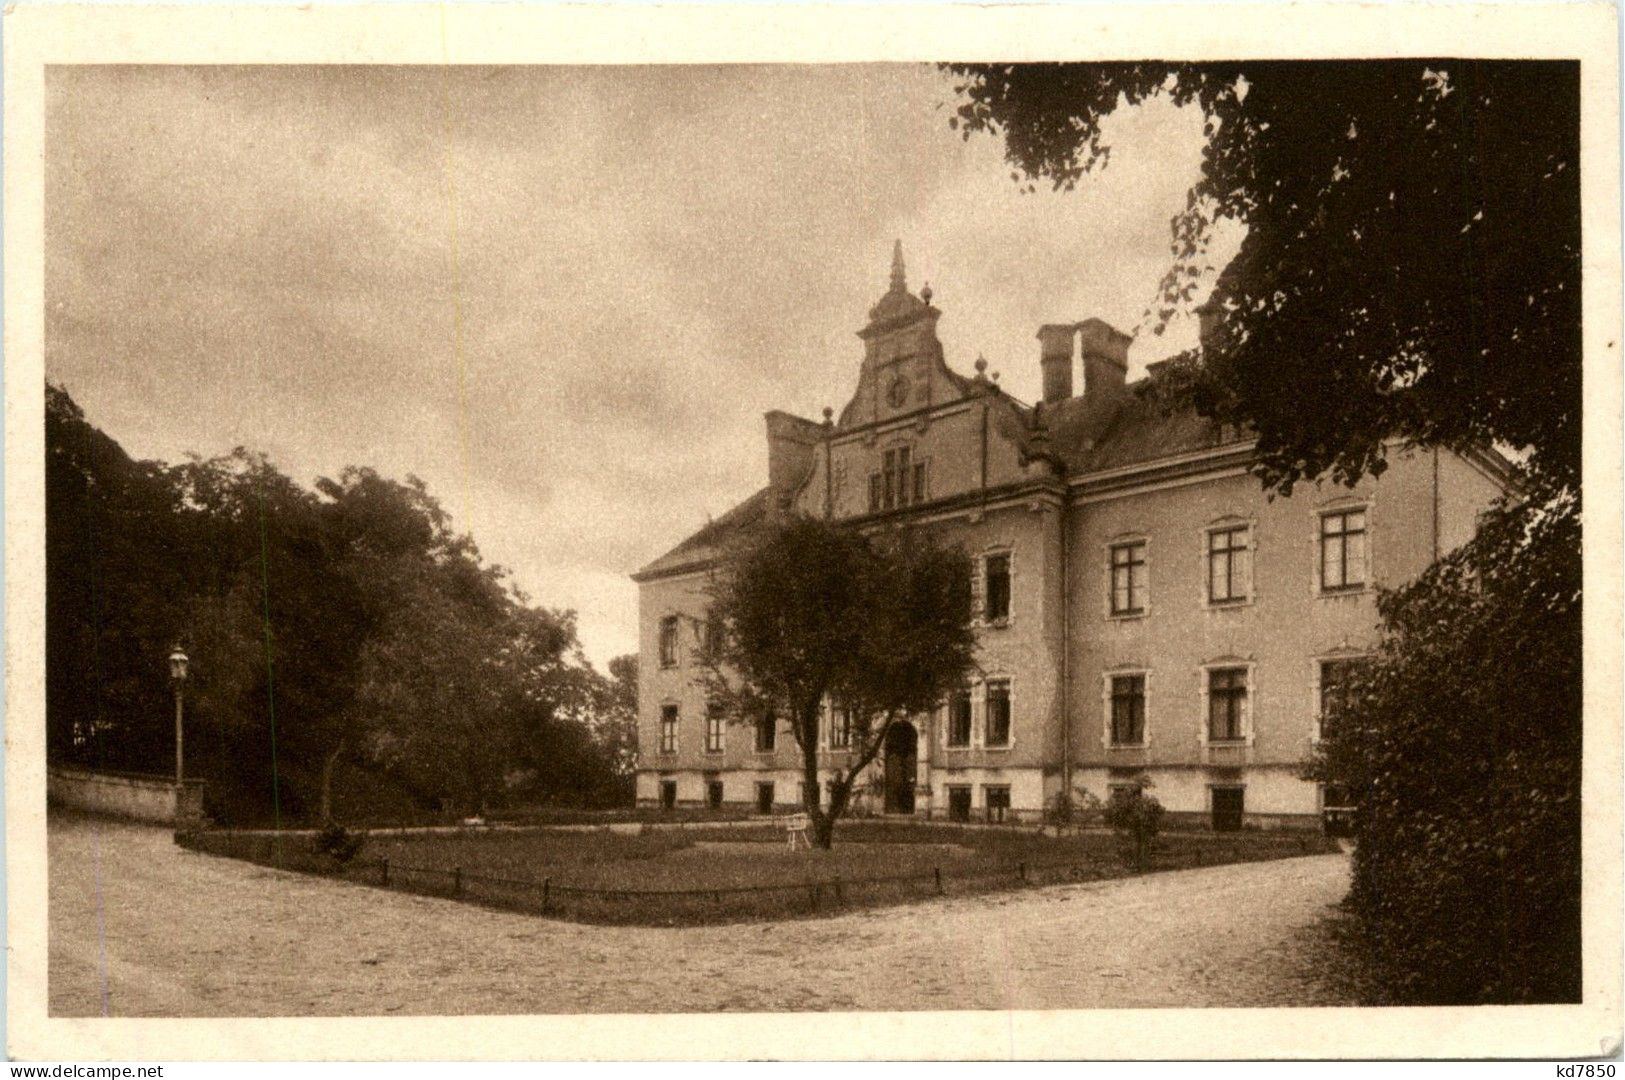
<point>127,795</point>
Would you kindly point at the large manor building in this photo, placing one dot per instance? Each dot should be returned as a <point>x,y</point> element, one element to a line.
<point>1145,614</point>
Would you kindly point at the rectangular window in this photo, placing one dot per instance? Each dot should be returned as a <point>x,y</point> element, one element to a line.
<point>899,476</point>
<point>1342,550</point>
<point>998,802</point>
<point>1226,704</point>
<point>998,713</point>
<point>1128,578</point>
<point>767,732</point>
<point>996,588</point>
<point>668,729</point>
<point>1128,710</point>
<point>958,802</point>
<point>919,481</point>
<point>713,794</point>
<point>959,718</point>
<point>1229,565</point>
<point>840,728</point>
<point>1337,690</point>
<point>668,641</point>
<point>764,796</point>
<point>668,794</point>
<point>715,719</point>
<point>874,492</point>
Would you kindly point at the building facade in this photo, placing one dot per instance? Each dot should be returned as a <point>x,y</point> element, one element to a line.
<point>1145,615</point>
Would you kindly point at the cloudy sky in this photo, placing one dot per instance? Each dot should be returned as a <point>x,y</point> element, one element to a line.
<point>563,297</point>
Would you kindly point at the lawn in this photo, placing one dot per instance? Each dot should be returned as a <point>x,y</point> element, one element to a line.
<point>724,874</point>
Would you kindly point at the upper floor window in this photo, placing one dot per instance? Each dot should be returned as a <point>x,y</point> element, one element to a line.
<point>901,481</point>
<point>668,641</point>
<point>1128,578</point>
<point>1227,704</point>
<point>715,721</point>
<point>1337,681</point>
<point>840,727</point>
<point>998,713</point>
<point>668,729</point>
<point>959,718</point>
<point>767,732</point>
<point>1128,710</point>
<point>996,587</point>
<point>1342,550</point>
<point>1229,565</point>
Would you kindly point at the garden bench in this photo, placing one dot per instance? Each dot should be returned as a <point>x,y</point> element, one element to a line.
<point>795,827</point>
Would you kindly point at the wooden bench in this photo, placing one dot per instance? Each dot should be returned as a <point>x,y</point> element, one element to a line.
<point>795,827</point>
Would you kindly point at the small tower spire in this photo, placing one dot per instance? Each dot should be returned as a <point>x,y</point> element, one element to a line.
<point>898,284</point>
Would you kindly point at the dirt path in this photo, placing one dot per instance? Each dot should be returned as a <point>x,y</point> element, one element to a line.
<point>140,927</point>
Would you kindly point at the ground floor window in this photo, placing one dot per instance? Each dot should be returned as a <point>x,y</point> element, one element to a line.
<point>998,802</point>
<point>713,794</point>
<point>764,796</point>
<point>1228,807</point>
<point>668,794</point>
<point>959,802</point>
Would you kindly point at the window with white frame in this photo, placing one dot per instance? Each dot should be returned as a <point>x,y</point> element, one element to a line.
<point>668,641</point>
<point>1128,709</point>
<point>767,732</point>
<point>1343,550</point>
<point>840,728</point>
<point>1129,578</point>
<point>996,587</point>
<point>715,723</point>
<point>1337,680</point>
<point>1229,564</point>
<point>1227,704</point>
<point>958,730</point>
<point>668,729</point>
<point>997,733</point>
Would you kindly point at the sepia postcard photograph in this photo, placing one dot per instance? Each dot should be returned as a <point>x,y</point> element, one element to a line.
<point>1015,532</point>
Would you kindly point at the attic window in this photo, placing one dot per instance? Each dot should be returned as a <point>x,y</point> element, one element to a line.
<point>901,481</point>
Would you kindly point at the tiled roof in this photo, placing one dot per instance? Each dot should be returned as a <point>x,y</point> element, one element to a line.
<point>1088,434</point>
<point>709,541</point>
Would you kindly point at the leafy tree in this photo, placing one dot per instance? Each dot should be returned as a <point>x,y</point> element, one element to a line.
<point>345,624</point>
<point>618,719</point>
<point>1411,265</point>
<point>810,613</point>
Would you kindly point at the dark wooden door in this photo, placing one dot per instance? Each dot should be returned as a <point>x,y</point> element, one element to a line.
<point>1227,808</point>
<point>902,744</point>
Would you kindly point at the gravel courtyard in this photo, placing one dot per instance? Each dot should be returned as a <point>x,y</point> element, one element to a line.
<point>139,927</point>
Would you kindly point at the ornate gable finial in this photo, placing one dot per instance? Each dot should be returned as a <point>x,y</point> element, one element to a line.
<point>898,283</point>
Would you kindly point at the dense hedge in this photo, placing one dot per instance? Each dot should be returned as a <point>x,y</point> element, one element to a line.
<point>1462,749</point>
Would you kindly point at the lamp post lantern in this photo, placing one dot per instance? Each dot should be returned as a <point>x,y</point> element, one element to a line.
<point>177,676</point>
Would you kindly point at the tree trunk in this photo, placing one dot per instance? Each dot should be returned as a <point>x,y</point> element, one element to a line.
<point>327,782</point>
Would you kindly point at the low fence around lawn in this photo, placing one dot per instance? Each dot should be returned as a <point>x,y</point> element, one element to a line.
<point>662,907</point>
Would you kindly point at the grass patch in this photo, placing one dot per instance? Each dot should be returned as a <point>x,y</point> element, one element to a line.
<point>701,875</point>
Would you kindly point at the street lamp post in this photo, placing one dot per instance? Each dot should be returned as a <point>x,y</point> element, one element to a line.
<point>177,676</point>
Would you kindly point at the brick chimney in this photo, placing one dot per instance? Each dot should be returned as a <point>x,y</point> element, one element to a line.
<point>1055,357</point>
<point>790,444</point>
<point>1105,358</point>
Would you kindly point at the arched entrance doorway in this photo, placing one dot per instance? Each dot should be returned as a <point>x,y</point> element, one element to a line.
<point>902,746</point>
